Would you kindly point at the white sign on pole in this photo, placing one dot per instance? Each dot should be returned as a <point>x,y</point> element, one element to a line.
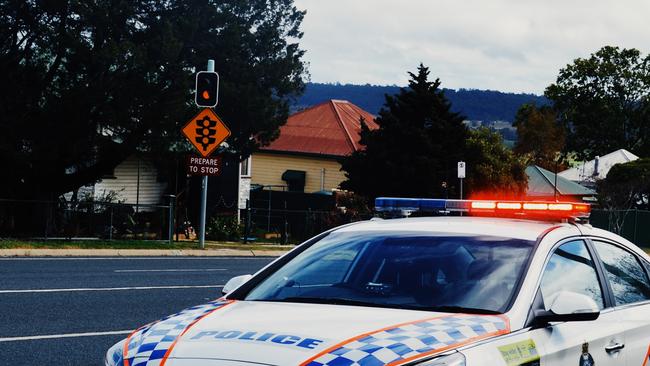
<point>461,169</point>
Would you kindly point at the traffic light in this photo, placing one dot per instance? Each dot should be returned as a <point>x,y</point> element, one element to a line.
<point>207,89</point>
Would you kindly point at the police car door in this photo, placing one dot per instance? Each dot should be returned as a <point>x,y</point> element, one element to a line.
<point>630,291</point>
<point>571,267</point>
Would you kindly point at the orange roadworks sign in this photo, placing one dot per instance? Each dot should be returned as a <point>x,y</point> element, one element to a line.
<point>206,132</point>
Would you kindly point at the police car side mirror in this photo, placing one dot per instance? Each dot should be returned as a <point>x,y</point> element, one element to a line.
<point>567,306</point>
<point>235,282</point>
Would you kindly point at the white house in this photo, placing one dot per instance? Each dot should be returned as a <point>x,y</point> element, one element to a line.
<point>587,173</point>
<point>134,181</point>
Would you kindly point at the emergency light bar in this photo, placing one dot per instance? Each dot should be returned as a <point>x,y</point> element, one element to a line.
<point>497,208</point>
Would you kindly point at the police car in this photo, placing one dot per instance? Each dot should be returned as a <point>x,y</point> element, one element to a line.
<point>509,283</point>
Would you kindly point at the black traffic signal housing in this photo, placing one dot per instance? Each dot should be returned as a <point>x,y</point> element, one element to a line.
<point>207,89</point>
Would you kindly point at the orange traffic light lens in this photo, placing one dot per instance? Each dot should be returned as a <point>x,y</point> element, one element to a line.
<point>206,94</point>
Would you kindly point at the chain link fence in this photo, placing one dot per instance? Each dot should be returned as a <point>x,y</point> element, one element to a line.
<point>85,219</point>
<point>285,226</point>
<point>121,221</point>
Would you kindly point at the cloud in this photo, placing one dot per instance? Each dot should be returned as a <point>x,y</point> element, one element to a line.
<point>509,45</point>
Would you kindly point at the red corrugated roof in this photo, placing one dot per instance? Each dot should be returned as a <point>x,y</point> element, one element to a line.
<point>329,128</point>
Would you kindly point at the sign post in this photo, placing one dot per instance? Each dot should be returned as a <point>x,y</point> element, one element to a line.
<point>461,176</point>
<point>204,191</point>
<point>206,132</point>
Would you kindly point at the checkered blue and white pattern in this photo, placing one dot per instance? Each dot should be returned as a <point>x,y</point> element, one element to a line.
<point>148,345</point>
<point>406,341</point>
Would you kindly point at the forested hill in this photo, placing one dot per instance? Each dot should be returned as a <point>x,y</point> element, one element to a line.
<point>476,105</point>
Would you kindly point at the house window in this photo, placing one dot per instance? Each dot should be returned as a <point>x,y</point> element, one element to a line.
<point>245,167</point>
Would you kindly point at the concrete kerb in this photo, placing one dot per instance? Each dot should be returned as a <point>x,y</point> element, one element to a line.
<point>139,253</point>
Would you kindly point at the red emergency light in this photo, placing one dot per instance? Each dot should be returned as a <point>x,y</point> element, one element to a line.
<point>550,210</point>
<point>529,208</point>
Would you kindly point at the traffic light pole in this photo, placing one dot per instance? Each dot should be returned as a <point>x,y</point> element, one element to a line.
<point>204,191</point>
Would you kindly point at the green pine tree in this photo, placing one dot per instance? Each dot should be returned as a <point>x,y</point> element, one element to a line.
<point>415,151</point>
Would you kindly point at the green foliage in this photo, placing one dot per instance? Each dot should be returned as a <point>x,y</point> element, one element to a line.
<point>492,168</point>
<point>87,83</point>
<point>540,138</point>
<point>626,186</point>
<point>415,151</point>
<point>223,228</point>
<point>350,207</point>
<point>604,102</point>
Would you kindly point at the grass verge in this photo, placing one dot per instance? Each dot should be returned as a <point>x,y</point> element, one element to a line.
<point>131,244</point>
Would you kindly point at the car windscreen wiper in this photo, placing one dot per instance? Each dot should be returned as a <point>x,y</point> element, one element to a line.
<point>460,309</point>
<point>330,300</point>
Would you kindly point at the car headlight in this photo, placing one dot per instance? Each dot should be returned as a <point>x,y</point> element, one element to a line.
<point>114,355</point>
<point>455,359</point>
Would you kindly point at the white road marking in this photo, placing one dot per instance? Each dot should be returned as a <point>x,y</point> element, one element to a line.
<point>170,270</point>
<point>70,335</point>
<point>48,290</point>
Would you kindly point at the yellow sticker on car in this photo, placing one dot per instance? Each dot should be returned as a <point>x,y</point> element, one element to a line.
<point>520,353</point>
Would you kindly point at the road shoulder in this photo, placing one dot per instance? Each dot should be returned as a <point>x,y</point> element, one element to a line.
<point>139,253</point>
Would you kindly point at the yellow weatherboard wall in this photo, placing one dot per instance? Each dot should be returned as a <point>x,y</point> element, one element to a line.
<point>267,169</point>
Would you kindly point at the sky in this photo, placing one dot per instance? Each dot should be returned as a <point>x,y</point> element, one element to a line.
<point>505,45</point>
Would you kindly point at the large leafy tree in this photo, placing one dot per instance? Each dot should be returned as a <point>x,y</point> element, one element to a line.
<point>604,102</point>
<point>540,139</point>
<point>86,83</point>
<point>493,169</point>
<point>415,150</point>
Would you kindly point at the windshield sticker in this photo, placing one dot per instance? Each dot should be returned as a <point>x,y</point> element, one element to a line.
<point>520,353</point>
<point>153,343</point>
<point>402,343</point>
<point>282,339</point>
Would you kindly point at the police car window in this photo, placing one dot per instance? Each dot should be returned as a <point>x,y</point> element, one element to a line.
<point>571,268</point>
<point>628,280</point>
<point>404,270</point>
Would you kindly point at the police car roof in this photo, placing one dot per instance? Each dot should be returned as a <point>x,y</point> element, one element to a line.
<point>467,225</point>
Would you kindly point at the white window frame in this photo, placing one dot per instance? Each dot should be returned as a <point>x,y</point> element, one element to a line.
<point>249,170</point>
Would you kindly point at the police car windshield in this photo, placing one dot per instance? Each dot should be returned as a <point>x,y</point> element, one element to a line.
<point>402,269</point>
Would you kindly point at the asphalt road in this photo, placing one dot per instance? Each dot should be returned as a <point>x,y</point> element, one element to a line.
<point>69,311</point>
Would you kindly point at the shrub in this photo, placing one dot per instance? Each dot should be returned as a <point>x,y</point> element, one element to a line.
<point>223,228</point>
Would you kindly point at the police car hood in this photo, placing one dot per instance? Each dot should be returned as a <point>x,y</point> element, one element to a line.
<point>272,333</point>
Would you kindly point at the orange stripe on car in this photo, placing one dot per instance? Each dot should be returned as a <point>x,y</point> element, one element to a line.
<point>171,348</point>
<point>402,361</point>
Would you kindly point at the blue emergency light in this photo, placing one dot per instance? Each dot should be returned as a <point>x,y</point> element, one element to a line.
<point>391,204</point>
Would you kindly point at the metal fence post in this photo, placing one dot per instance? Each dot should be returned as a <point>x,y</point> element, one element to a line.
<point>110,224</point>
<point>283,237</point>
<point>172,202</point>
<point>247,225</point>
<point>47,214</point>
<point>268,220</point>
